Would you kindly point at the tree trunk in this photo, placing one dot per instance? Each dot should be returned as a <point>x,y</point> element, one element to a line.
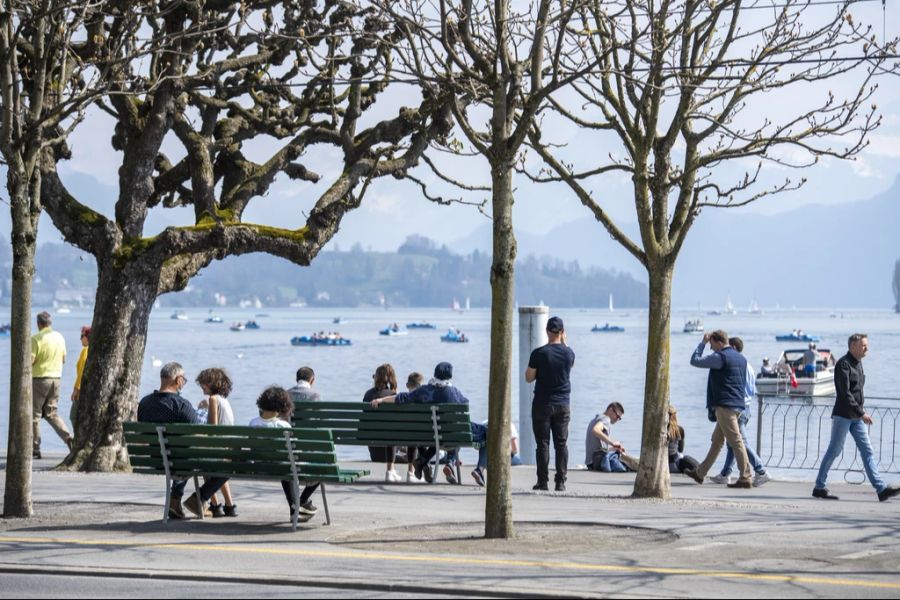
<point>17,495</point>
<point>652,479</point>
<point>498,522</point>
<point>112,375</point>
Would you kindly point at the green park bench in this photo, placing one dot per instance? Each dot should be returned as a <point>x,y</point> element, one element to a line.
<point>442,426</point>
<point>194,451</point>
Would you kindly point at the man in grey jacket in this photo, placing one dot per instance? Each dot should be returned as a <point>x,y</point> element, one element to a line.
<point>725,400</point>
<point>303,392</point>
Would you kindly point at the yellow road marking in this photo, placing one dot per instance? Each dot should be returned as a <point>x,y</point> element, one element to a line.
<point>560,565</point>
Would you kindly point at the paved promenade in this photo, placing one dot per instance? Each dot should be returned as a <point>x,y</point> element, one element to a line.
<point>709,541</point>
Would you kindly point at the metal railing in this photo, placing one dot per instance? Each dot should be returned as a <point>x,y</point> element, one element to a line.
<point>794,432</point>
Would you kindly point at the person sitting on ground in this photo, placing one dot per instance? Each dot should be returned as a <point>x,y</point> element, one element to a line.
<point>514,458</point>
<point>303,392</point>
<point>678,462</point>
<point>384,384</point>
<point>602,452</point>
<point>275,408</point>
<point>216,386</point>
<point>166,405</point>
<point>439,390</point>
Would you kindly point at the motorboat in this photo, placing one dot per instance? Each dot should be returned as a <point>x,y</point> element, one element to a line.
<point>789,378</point>
<point>607,329</point>
<point>252,325</point>
<point>179,315</point>
<point>238,327</point>
<point>454,336</point>
<point>421,325</point>
<point>695,326</point>
<point>5,329</point>
<point>797,336</point>
<point>307,340</point>
<point>213,319</point>
<point>393,330</point>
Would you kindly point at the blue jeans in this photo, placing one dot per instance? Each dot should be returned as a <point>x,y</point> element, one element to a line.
<point>839,429</point>
<point>611,463</point>
<point>755,462</point>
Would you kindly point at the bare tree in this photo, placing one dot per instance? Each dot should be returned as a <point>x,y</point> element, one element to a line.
<point>47,77</point>
<point>686,88</point>
<point>504,59</point>
<point>225,80</point>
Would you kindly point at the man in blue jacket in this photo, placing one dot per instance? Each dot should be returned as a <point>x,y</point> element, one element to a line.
<point>724,401</point>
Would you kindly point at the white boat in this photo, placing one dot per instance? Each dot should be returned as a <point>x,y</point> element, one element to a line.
<point>789,378</point>
<point>455,306</point>
<point>468,304</point>
<point>611,309</point>
<point>63,310</point>
<point>729,307</point>
<point>179,315</point>
<point>238,327</point>
<point>754,308</point>
<point>695,326</point>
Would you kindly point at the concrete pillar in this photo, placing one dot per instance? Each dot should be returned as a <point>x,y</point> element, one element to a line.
<point>532,334</point>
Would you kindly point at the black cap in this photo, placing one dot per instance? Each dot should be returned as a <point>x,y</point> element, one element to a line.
<point>555,325</point>
<point>443,371</point>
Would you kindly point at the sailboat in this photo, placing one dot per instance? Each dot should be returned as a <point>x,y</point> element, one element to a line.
<point>468,304</point>
<point>729,307</point>
<point>455,305</point>
<point>611,309</point>
<point>754,308</point>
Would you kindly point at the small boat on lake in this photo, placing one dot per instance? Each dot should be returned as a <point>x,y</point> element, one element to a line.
<point>797,336</point>
<point>421,325</point>
<point>308,340</point>
<point>5,329</point>
<point>788,376</point>
<point>252,325</point>
<point>607,329</point>
<point>454,336</point>
<point>179,315</point>
<point>238,327</point>
<point>695,326</point>
<point>393,330</point>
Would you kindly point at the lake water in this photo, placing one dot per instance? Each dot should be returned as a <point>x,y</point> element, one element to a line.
<point>609,366</point>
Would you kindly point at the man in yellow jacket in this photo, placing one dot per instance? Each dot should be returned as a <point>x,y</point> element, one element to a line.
<point>48,353</point>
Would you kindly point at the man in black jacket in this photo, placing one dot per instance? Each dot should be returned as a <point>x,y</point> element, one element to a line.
<point>850,416</point>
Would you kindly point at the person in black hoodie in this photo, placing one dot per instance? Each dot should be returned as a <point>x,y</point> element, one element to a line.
<point>850,416</point>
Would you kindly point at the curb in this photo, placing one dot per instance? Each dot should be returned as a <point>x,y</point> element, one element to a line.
<point>312,582</point>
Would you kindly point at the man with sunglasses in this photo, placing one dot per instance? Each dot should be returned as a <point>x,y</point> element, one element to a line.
<point>602,452</point>
<point>166,405</point>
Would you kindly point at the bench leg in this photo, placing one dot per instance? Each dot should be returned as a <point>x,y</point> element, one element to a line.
<point>168,499</point>
<point>458,473</point>
<point>199,498</point>
<point>295,507</point>
<point>325,504</point>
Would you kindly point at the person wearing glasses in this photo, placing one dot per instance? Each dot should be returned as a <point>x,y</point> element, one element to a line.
<point>602,452</point>
<point>167,405</point>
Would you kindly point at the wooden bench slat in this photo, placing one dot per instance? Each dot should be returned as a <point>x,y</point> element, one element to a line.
<point>349,406</point>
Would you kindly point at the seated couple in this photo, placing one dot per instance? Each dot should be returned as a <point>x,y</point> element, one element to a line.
<point>602,452</point>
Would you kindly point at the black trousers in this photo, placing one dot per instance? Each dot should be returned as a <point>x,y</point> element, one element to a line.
<point>547,419</point>
<point>288,488</point>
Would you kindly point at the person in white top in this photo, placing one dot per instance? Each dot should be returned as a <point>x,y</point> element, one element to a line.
<point>216,386</point>
<point>275,409</point>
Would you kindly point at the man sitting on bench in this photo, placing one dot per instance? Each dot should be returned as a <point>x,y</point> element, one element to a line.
<point>166,405</point>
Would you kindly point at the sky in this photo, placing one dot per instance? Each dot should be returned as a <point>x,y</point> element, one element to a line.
<point>394,209</point>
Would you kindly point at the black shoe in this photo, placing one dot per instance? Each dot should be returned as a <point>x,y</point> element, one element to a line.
<point>824,494</point>
<point>216,510</point>
<point>478,476</point>
<point>308,508</point>
<point>560,486</point>
<point>540,487</point>
<point>741,484</point>
<point>888,492</point>
<point>450,475</point>
<point>427,473</point>
<point>418,468</point>
<point>693,475</point>
<point>36,455</point>
<point>230,510</point>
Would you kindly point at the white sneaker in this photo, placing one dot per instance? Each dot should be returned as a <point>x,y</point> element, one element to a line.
<point>411,478</point>
<point>721,479</point>
<point>761,478</point>
<point>392,476</point>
